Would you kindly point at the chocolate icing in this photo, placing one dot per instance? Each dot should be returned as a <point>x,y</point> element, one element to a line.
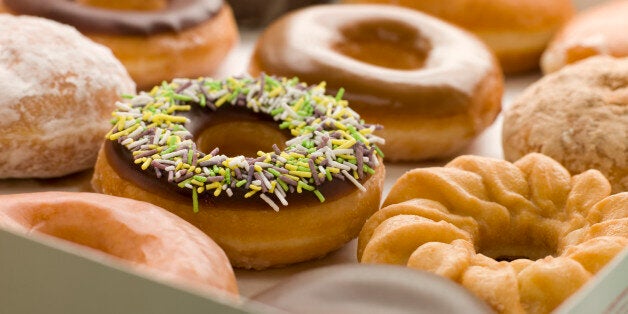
<point>119,158</point>
<point>360,288</point>
<point>180,15</point>
<point>257,13</point>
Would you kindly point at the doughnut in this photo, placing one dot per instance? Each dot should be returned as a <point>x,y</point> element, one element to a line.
<point>58,92</point>
<point>521,236</point>
<point>578,116</point>
<point>432,86</point>
<point>130,233</point>
<point>285,204</point>
<point>596,31</point>
<point>187,38</point>
<point>254,13</point>
<point>517,31</point>
<point>356,288</point>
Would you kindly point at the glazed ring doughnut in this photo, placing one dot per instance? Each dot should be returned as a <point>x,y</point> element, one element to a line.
<point>252,206</point>
<point>187,38</point>
<point>431,85</point>
<point>517,31</point>
<point>128,230</point>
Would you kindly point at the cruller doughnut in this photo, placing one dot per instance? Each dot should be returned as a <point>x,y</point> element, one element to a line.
<point>185,38</point>
<point>433,86</point>
<point>281,206</point>
<point>149,238</point>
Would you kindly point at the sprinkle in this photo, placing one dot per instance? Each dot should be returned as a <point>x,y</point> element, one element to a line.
<point>330,141</point>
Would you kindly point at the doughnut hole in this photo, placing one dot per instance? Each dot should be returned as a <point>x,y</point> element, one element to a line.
<point>241,138</point>
<point>388,44</point>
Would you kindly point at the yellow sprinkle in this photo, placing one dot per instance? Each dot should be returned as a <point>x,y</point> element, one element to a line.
<point>276,91</point>
<point>345,156</point>
<point>366,131</point>
<point>272,186</point>
<point>154,90</point>
<point>217,191</point>
<point>295,178</point>
<point>299,190</point>
<point>139,161</point>
<point>291,167</point>
<point>197,170</point>
<point>249,194</point>
<point>152,125</point>
<point>303,164</point>
<point>295,132</point>
<point>205,158</point>
<point>343,102</point>
<point>196,182</point>
<point>222,100</point>
<point>340,125</point>
<point>258,168</point>
<point>200,189</point>
<point>333,169</point>
<point>221,171</point>
<point>165,117</point>
<point>178,167</point>
<point>260,153</point>
<point>355,175</point>
<point>155,156</point>
<point>303,174</point>
<point>322,84</point>
<point>284,155</point>
<point>192,168</point>
<point>298,105</point>
<point>254,187</point>
<point>268,158</point>
<point>213,185</point>
<point>347,144</point>
<point>180,108</point>
<point>296,155</point>
<point>121,123</point>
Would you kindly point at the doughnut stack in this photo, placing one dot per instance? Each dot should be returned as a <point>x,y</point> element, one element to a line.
<point>195,175</point>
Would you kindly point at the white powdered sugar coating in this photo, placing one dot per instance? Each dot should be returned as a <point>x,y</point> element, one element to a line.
<point>58,89</point>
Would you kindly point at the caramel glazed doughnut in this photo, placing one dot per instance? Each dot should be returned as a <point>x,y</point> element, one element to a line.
<point>522,237</point>
<point>516,31</point>
<point>58,92</point>
<point>186,38</point>
<point>154,154</point>
<point>140,235</point>
<point>431,85</point>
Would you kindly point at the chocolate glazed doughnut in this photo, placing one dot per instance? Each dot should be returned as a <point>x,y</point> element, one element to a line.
<point>185,38</point>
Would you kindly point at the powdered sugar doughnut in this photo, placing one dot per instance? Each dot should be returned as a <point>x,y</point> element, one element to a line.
<point>58,90</point>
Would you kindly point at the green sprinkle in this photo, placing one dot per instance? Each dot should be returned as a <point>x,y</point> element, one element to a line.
<point>183,183</point>
<point>340,93</point>
<point>274,172</point>
<point>241,183</point>
<point>194,201</point>
<point>168,150</point>
<point>319,195</point>
<point>182,97</point>
<point>379,152</point>
<point>305,186</point>
<point>228,176</point>
<point>328,174</point>
<point>283,185</point>
<point>127,96</point>
<point>200,178</point>
<point>284,125</point>
<point>190,156</point>
<point>203,101</point>
<point>368,169</point>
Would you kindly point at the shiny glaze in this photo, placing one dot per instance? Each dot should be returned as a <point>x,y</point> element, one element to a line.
<point>434,70</point>
<point>119,158</point>
<point>180,15</point>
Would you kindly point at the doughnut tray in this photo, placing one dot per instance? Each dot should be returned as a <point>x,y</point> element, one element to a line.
<point>40,273</point>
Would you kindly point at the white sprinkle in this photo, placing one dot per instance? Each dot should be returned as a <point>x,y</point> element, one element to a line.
<point>269,202</point>
<point>173,154</point>
<point>127,141</point>
<point>350,165</point>
<point>354,181</point>
<point>137,143</point>
<point>157,135</point>
<point>229,192</point>
<point>137,132</point>
<point>347,151</point>
<point>339,165</point>
<point>279,193</point>
<point>169,168</point>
